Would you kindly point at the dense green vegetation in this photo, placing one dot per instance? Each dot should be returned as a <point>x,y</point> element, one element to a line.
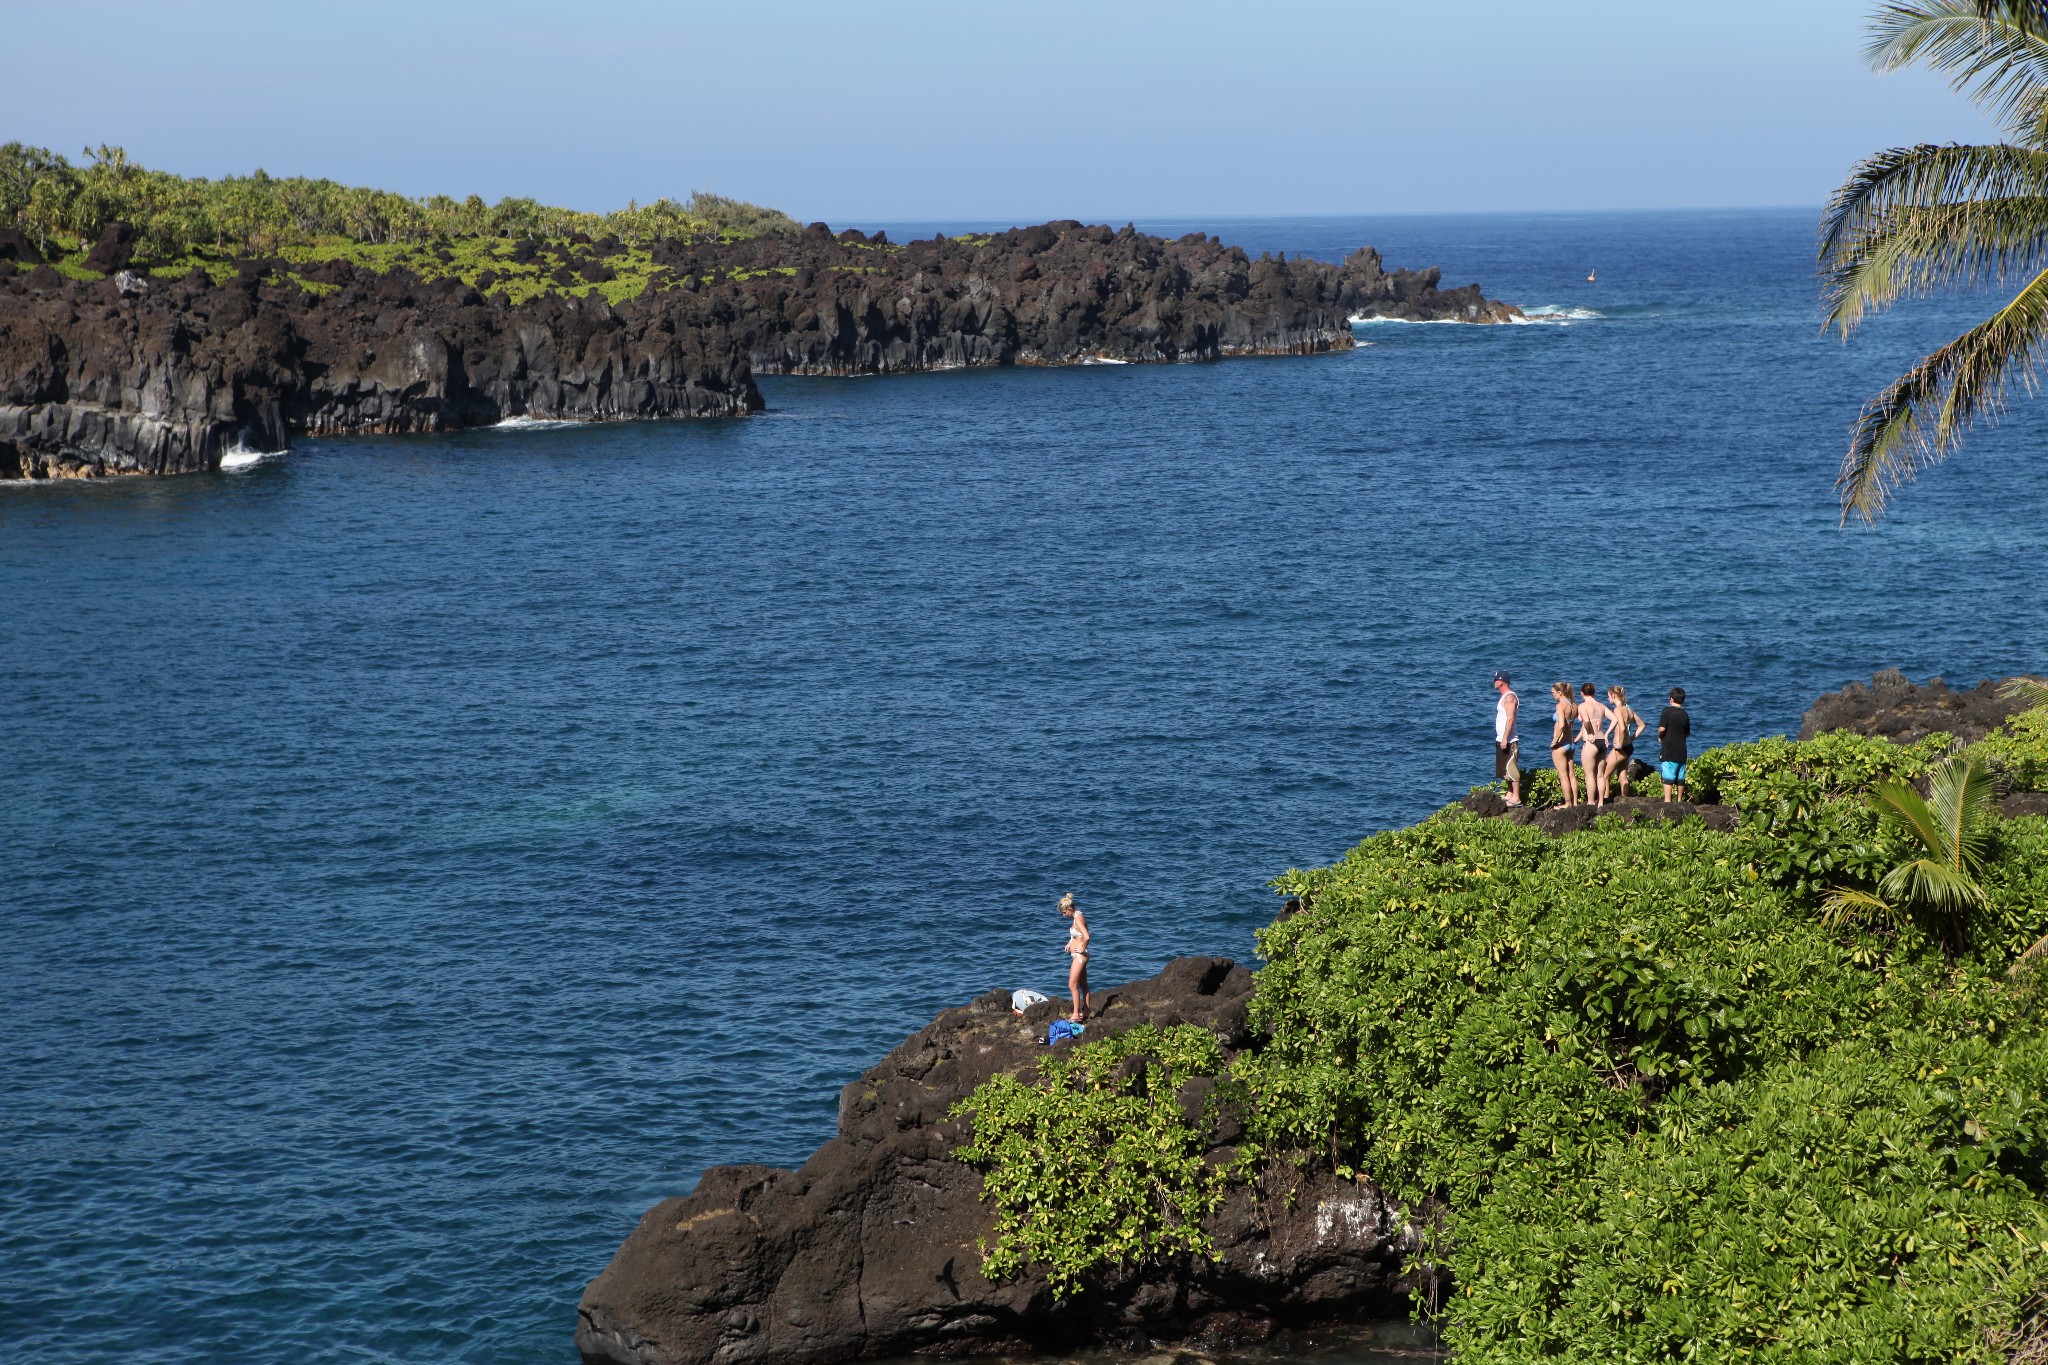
<point>182,222</point>
<point>1099,1162</point>
<point>1674,1103</point>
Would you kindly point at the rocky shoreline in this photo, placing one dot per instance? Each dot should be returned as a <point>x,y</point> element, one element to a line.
<point>131,373</point>
<point>873,1247</point>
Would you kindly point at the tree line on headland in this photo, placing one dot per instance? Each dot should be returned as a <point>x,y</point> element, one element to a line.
<point>55,202</point>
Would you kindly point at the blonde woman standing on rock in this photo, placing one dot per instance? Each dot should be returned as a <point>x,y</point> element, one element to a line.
<point>1561,722</point>
<point>1624,737</point>
<point>1077,948</point>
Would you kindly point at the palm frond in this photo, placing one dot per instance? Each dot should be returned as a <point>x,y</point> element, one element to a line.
<point>1994,53</point>
<point>2033,954</point>
<point>2032,691</point>
<point>1904,808</point>
<point>1959,796</point>
<point>1922,416</point>
<point>1932,886</point>
<point>1844,905</point>
<point>1926,175</point>
<point>1914,249</point>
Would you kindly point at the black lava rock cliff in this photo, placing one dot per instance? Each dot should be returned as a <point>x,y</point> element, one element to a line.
<point>871,1248</point>
<point>138,374</point>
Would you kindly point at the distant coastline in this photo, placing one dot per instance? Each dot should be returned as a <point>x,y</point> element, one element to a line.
<point>150,348</point>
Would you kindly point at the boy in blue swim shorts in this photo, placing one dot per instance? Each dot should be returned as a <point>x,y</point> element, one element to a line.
<point>1674,728</point>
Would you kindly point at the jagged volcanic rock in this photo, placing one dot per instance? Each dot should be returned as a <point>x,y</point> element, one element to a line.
<point>1894,706</point>
<point>1057,294</point>
<point>157,377</point>
<point>138,375</point>
<point>870,1249</point>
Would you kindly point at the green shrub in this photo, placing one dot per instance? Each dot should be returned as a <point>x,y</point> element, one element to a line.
<point>1808,846</point>
<point>1871,1203</point>
<point>1464,988</point>
<point>2017,751</point>
<point>1098,1163</point>
<point>1759,773</point>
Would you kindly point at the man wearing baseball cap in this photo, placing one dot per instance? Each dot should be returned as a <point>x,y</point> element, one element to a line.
<point>1507,748</point>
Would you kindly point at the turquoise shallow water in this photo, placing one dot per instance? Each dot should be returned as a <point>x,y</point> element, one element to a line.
<point>422,854</point>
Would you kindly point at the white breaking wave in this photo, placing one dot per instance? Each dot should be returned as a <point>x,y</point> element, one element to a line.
<point>535,423</point>
<point>1102,360</point>
<point>1551,314</point>
<point>1363,320</point>
<point>239,457</point>
<point>1558,313</point>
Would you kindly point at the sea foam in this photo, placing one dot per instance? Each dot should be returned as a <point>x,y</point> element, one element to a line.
<point>239,457</point>
<point>1558,314</point>
<point>524,423</point>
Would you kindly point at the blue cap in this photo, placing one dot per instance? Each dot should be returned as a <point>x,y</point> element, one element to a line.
<point>1501,675</point>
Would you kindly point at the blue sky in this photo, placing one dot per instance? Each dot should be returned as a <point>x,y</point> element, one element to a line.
<point>871,110</point>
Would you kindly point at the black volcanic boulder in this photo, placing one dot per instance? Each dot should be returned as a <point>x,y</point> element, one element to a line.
<point>114,250</point>
<point>15,246</point>
<point>871,1248</point>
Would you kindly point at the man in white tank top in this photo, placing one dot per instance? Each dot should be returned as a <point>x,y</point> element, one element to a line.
<point>1507,748</point>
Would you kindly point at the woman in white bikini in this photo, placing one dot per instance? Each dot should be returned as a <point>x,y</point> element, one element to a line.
<point>1596,737</point>
<point>1077,949</point>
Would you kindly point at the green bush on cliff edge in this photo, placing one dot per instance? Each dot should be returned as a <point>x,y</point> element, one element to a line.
<point>186,222</point>
<point>1672,1112</point>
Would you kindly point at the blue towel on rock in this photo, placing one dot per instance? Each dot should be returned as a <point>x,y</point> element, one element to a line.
<point>1063,1029</point>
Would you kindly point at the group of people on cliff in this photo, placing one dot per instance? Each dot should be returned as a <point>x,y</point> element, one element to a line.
<point>1591,744</point>
<point>1592,741</point>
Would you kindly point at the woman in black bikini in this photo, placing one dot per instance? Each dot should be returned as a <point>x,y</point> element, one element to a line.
<point>1596,731</point>
<point>1562,721</point>
<point>1624,737</point>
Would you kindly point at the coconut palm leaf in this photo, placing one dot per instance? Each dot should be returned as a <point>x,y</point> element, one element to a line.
<point>2032,691</point>
<point>1952,824</point>
<point>1961,797</point>
<point>1920,419</point>
<point>1844,904</point>
<point>1918,218</point>
<point>1995,53</point>
<point>1925,175</point>
<point>2031,15</point>
<point>1913,249</point>
<point>1936,888</point>
<point>2033,954</point>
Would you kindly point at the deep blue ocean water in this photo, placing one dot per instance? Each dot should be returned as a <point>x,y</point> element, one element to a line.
<point>422,854</point>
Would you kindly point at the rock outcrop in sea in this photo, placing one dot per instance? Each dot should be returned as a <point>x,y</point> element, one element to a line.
<point>871,1248</point>
<point>1893,706</point>
<point>133,373</point>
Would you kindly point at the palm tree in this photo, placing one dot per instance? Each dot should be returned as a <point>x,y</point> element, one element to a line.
<point>1915,219</point>
<point>1952,826</point>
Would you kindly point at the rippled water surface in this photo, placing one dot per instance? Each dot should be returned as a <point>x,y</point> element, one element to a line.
<point>422,854</point>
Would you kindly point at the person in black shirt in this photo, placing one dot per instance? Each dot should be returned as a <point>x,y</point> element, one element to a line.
<point>1674,727</point>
